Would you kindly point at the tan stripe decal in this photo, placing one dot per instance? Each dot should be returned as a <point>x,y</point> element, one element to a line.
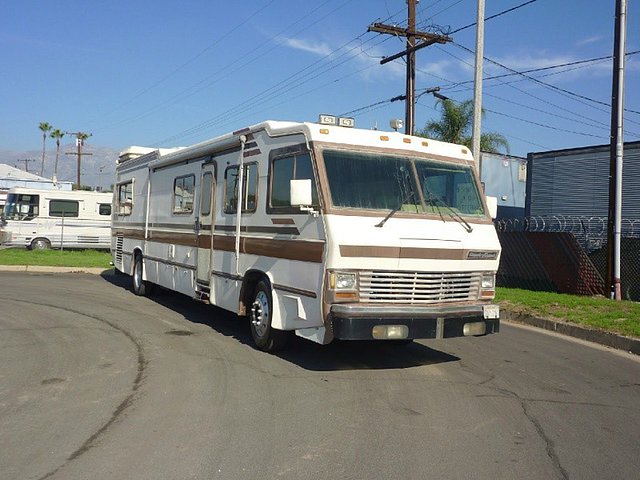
<point>402,252</point>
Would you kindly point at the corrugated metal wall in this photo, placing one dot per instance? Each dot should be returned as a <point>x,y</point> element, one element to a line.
<point>576,182</point>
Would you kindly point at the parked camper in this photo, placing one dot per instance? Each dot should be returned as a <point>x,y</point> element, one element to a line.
<point>41,219</point>
<point>326,231</point>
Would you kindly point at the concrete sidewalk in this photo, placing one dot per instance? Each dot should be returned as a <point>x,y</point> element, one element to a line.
<point>44,269</point>
<point>612,340</point>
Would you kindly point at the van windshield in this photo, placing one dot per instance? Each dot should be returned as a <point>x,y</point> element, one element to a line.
<point>21,206</point>
<point>368,180</point>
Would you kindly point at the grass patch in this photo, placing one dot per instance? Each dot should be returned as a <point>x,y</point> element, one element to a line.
<point>595,312</point>
<point>55,258</point>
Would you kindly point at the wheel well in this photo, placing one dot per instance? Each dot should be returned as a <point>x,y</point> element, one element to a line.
<point>249,282</point>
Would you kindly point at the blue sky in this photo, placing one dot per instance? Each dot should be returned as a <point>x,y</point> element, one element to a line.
<point>162,73</point>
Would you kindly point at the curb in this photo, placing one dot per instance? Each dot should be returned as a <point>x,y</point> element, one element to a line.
<point>613,340</point>
<point>44,269</point>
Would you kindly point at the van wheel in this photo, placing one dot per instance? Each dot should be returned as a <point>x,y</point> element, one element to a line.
<point>265,337</point>
<point>40,244</point>
<point>140,287</point>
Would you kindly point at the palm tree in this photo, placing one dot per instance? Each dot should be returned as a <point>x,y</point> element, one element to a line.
<point>57,134</point>
<point>455,126</point>
<point>45,127</point>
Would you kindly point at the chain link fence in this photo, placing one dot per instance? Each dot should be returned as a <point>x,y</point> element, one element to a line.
<point>567,254</point>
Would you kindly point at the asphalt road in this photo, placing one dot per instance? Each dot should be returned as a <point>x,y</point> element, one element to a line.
<point>97,383</point>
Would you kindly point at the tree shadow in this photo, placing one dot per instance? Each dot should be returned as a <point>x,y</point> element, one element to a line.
<point>338,355</point>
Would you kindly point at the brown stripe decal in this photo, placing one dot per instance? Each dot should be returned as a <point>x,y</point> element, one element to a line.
<point>302,250</point>
<point>266,247</point>
<point>251,153</point>
<point>282,221</point>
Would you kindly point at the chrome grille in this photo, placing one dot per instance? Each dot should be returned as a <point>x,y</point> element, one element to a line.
<point>418,287</point>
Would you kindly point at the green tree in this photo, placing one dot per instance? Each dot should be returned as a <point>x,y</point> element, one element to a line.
<point>57,134</point>
<point>45,127</point>
<point>455,126</point>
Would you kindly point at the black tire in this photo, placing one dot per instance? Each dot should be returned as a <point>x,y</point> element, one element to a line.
<point>40,244</point>
<point>264,336</point>
<point>140,287</point>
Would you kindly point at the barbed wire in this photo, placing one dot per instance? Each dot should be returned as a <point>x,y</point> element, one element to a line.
<point>584,226</point>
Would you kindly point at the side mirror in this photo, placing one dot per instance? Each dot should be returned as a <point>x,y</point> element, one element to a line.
<point>492,206</point>
<point>301,193</point>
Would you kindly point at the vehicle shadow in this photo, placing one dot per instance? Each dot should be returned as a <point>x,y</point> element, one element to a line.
<point>338,355</point>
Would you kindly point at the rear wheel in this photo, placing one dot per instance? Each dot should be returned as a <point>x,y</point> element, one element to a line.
<point>140,287</point>
<point>264,335</point>
<point>40,244</point>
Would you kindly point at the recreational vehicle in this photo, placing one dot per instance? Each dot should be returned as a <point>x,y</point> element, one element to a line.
<point>41,219</point>
<point>323,230</point>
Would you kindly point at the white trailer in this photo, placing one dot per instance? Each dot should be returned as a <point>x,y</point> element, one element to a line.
<point>326,231</point>
<point>40,219</point>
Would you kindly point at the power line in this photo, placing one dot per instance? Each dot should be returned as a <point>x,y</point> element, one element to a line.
<point>540,82</point>
<point>191,60</point>
<point>199,86</point>
<point>494,16</point>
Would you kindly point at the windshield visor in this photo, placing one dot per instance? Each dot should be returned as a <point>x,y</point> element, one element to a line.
<point>387,182</point>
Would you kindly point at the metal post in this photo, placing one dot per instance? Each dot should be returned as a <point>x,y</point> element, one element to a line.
<point>411,68</point>
<point>616,153</point>
<point>477,90</point>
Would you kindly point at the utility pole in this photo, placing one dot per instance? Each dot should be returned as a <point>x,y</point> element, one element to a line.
<point>80,138</point>
<point>26,163</point>
<point>477,89</point>
<point>411,34</point>
<point>614,225</point>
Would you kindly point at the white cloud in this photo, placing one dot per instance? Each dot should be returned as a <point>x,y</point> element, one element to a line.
<point>321,49</point>
<point>589,40</point>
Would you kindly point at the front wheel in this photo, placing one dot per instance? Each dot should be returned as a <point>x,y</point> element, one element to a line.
<point>40,244</point>
<point>264,335</point>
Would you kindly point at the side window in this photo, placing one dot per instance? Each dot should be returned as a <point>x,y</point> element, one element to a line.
<point>250,194</point>
<point>183,194</point>
<point>285,169</point>
<point>63,208</point>
<point>125,198</point>
<point>205,194</point>
<point>104,209</point>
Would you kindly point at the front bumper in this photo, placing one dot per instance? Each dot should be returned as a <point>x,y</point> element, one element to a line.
<point>356,321</point>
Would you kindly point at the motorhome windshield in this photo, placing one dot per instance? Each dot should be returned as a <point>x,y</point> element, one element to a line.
<point>376,181</point>
<point>21,206</point>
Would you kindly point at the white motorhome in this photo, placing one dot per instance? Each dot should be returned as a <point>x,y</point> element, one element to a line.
<point>326,231</point>
<point>41,219</point>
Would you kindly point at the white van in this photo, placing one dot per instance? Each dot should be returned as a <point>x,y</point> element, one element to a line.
<point>41,219</point>
<point>322,230</point>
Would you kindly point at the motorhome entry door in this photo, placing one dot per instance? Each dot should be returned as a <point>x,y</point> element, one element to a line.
<point>205,222</point>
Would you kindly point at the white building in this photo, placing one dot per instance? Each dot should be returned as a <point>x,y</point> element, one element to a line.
<point>14,177</point>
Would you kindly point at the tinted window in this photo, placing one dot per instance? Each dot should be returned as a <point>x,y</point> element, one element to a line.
<point>125,198</point>
<point>183,194</point>
<point>205,201</point>
<point>250,183</point>
<point>63,208</point>
<point>104,209</point>
<point>284,170</point>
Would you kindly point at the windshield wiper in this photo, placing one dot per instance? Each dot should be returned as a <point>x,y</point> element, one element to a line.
<point>452,213</point>
<point>410,195</point>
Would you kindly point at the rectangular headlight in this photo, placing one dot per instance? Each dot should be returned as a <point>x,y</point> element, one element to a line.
<point>342,281</point>
<point>488,282</point>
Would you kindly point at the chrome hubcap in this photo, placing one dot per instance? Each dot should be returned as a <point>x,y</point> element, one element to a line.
<point>260,314</point>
